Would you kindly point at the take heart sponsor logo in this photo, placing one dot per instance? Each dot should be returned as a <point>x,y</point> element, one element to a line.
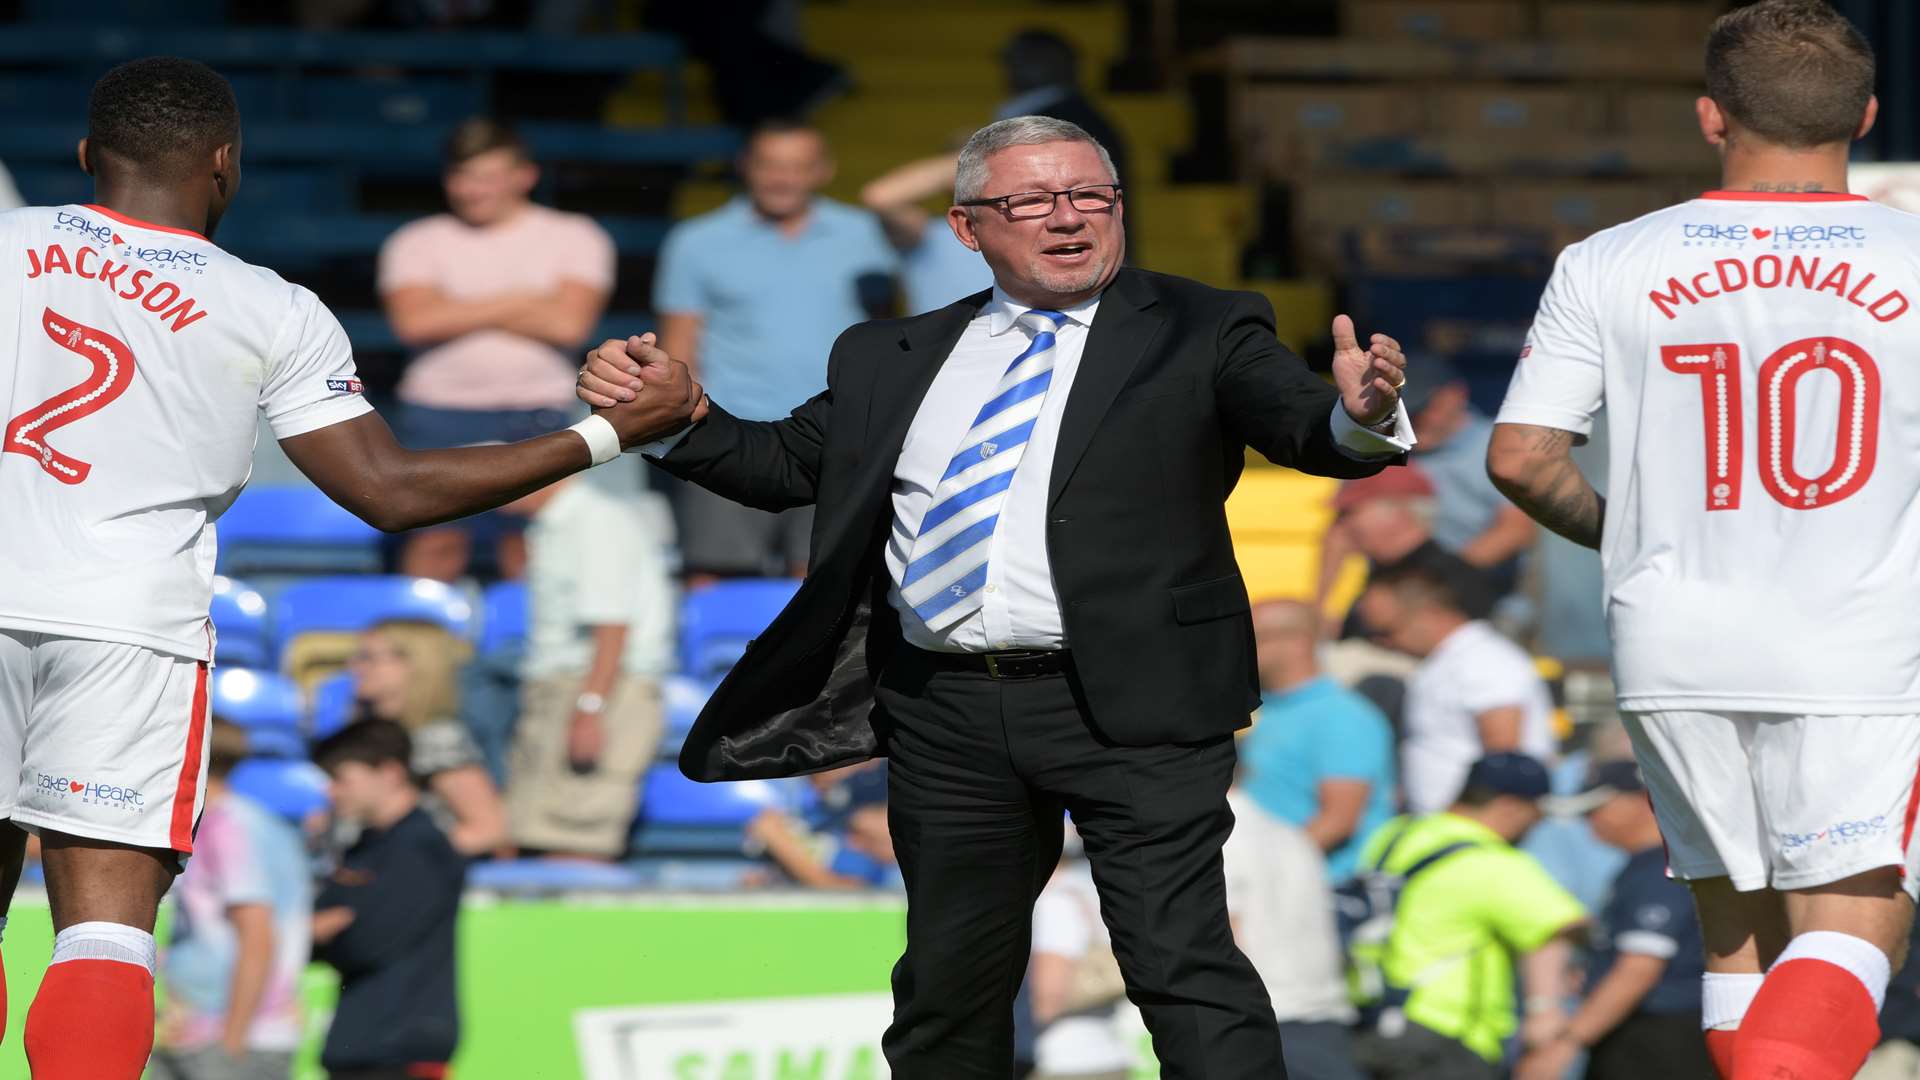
<point>1761,234</point>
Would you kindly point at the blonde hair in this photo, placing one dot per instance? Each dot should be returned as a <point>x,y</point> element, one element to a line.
<point>434,655</point>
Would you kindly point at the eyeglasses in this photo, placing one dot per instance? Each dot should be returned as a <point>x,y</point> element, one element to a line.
<point>1091,199</point>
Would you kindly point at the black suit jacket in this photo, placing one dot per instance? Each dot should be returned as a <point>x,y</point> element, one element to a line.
<point>1176,381</point>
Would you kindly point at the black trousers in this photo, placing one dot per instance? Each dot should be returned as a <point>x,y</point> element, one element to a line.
<point>980,772</point>
<point>1653,1044</point>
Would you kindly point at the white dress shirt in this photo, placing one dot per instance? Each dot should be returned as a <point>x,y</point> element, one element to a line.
<point>1019,609</point>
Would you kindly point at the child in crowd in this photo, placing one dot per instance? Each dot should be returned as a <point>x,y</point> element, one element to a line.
<point>386,917</point>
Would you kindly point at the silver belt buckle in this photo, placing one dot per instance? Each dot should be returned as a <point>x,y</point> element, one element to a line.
<point>993,666</point>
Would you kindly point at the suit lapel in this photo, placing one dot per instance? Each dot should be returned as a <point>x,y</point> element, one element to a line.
<point>900,385</point>
<point>1122,329</point>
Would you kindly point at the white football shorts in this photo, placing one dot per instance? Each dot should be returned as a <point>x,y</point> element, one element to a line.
<point>102,740</point>
<point>1774,800</point>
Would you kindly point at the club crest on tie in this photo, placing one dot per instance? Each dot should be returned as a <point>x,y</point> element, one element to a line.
<point>988,449</point>
<point>957,590</point>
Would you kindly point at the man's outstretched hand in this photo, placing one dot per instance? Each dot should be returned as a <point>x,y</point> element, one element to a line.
<point>644,393</point>
<point>1369,379</point>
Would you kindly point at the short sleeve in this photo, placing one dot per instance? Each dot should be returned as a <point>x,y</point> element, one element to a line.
<point>1529,907</point>
<point>238,873</point>
<point>1496,679</point>
<point>1559,382</point>
<point>881,256</point>
<point>592,260</point>
<point>311,381</point>
<point>1357,747</point>
<point>1647,917</point>
<point>676,280</point>
<point>441,747</point>
<point>407,258</point>
<point>1060,925</point>
<point>615,544</point>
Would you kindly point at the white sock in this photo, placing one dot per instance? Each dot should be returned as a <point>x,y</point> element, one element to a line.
<point>104,941</point>
<point>1856,956</point>
<point>1724,998</point>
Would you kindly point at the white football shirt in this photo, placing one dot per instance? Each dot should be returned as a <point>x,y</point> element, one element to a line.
<point>1759,359</point>
<point>135,358</point>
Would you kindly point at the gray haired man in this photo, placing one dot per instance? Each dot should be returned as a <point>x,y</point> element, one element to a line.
<point>1023,594</point>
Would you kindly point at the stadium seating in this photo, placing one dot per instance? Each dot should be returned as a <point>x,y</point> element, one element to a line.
<point>292,789</point>
<point>240,625</point>
<point>316,619</point>
<point>266,705</point>
<point>683,697</point>
<point>681,817</point>
<point>717,621</point>
<point>332,705</point>
<point>352,604</point>
<point>294,530</point>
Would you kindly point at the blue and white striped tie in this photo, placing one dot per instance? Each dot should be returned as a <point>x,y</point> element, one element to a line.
<point>947,566</point>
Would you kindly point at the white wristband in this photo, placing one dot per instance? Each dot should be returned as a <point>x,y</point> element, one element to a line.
<point>602,441</point>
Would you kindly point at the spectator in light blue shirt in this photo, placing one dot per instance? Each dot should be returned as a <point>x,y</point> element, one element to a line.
<point>935,267</point>
<point>752,296</point>
<point>1470,516</point>
<point>1320,756</point>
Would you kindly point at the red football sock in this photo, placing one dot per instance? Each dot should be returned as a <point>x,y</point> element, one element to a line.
<point>1720,1049</point>
<point>92,1020</point>
<point>1811,1021</point>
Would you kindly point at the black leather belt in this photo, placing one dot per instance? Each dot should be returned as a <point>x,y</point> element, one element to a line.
<point>1014,664</point>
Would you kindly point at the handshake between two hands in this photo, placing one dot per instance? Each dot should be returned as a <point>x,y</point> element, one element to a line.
<point>644,393</point>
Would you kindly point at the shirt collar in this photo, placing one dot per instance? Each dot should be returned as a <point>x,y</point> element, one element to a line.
<point>1306,691</point>
<point>1002,310</point>
<point>1032,101</point>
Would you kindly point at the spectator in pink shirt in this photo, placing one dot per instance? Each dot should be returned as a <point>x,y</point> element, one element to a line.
<point>240,940</point>
<point>496,298</point>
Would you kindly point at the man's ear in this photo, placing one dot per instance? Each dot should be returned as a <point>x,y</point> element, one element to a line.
<point>223,171</point>
<point>961,222</point>
<point>1713,122</point>
<point>1866,122</point>
<point>86,163</point>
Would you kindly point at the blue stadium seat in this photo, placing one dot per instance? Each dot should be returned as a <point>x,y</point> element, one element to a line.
<point>239,624</point>
<point>351,604</point>
<point>414,100</point>
<point>292,789</point>
<point>503,622</point>
<point>294,530</point>
<point>46,185</point>
<point>332,706</point>
<point>256,699</point>
<point>683,697</point>
<point>710,874</point>
<point>679,816</point>
<point>717,622</point>
<point>548,876</point>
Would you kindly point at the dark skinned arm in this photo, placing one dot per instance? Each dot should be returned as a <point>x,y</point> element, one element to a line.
<point>360,465</point>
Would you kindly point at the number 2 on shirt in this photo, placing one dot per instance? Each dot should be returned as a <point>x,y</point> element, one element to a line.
<point>112,373</point>
<point>1717,366</point>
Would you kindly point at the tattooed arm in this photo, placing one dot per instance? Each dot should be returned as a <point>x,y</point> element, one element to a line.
<point>1534,467</point>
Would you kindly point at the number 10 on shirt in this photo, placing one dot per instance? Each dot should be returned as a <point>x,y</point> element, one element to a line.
<point>1717,367</point>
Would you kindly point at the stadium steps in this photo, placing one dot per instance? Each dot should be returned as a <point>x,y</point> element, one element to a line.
<point>1277,517</point>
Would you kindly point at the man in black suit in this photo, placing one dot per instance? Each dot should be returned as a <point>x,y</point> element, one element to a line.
<point>1023,592</point>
